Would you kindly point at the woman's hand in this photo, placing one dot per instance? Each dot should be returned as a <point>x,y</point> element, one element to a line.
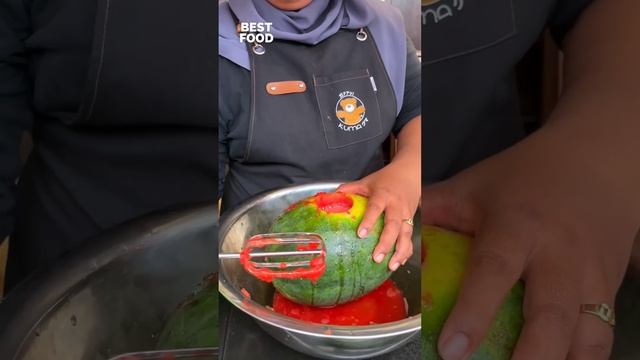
<point>394,190</point>
<point>396,193</point>
<point>542,211</point>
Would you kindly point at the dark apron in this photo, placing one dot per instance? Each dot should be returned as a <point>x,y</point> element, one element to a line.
<point>331,131</point>
<point>143,139</point>
<point>470,89</point>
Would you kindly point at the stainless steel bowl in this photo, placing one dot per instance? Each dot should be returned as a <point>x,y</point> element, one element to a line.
<point>325,341</point>
<point>114,295</point>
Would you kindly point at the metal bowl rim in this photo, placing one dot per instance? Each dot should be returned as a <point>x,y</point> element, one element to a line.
<point>234,296</point>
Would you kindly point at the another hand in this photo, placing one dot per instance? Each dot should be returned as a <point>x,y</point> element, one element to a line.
<point>396,191</point>
<point>544,212</point>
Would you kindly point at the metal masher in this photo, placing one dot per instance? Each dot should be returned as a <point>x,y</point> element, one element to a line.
<point>306,250</point>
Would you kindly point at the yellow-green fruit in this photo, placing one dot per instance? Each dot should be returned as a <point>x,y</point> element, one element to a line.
<point>444,257</point>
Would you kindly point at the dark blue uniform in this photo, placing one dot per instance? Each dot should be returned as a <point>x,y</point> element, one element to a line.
<point>470,95</point>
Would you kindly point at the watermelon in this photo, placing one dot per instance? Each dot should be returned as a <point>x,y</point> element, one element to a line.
<point>350,270</point>
<point>445,257</point>
<point>195,321</point>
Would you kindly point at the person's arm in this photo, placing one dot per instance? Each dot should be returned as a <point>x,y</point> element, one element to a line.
<point>561,208</point>
<point>15,111</point>
<point>395,189</point>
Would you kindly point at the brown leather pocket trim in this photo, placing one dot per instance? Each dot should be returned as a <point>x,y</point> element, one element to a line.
<point>286,87</point>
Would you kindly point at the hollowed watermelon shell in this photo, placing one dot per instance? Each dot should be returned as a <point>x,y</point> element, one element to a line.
<point>350,270</point>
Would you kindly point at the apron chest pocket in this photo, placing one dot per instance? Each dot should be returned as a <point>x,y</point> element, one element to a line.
<point>349,107</point>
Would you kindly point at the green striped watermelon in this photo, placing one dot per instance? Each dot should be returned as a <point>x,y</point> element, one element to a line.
<point>350,270</point>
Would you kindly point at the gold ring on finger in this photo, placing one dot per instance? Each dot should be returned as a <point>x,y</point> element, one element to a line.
<point>602,311</point>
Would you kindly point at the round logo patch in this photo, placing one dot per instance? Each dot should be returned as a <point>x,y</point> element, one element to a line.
<point>350,111</point>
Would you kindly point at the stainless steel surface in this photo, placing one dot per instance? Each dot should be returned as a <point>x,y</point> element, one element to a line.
<point>325,341</point>
<point>113,296</point>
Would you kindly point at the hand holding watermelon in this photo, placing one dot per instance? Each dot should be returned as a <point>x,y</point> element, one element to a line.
<point>395,191</point>
<point>548,214</point>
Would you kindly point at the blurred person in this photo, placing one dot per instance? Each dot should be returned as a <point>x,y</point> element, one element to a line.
<point>120,99</point>
<point>559,208</point>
